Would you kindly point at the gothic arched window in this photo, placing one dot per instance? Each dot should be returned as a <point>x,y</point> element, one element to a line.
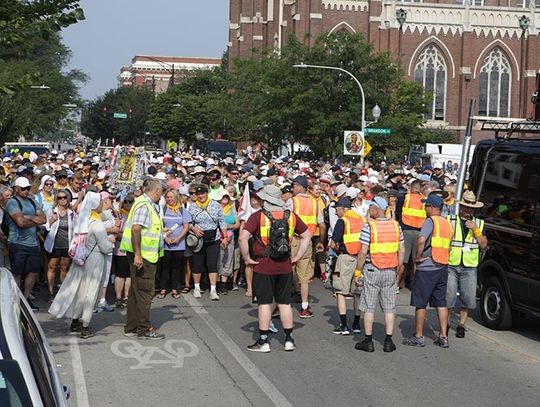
<point>430,71</point>
<point>495,82</point>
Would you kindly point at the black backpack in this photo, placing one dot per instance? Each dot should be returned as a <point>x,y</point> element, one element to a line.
<point>4,226</point>
<point>279,247</point>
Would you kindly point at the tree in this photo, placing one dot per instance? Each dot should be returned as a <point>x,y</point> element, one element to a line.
<point>98,121</point>
<point>33,112</point>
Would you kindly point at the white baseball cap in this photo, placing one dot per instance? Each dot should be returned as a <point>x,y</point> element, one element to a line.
<point>438,165</point>
<point>22,182</point>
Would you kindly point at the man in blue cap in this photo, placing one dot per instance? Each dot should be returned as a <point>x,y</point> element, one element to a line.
<point>431,277</point>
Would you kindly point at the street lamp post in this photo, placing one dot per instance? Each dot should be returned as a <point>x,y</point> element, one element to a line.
<point>335,68</point>
<point>169,67</point>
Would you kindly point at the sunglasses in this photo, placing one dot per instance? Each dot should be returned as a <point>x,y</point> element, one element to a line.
<point>26,188</point>
<point>130,201</point>
<point>233,173</point>
<point>49,184</point>
<point>62,197</point>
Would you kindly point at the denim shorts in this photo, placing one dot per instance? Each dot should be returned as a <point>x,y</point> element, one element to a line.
<point>463,280</point>
<point>429,287</point>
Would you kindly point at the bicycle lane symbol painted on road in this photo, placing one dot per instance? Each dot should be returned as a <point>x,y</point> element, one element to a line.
<point>174,352</point>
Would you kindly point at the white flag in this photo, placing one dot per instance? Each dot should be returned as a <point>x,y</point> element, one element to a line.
<point>245,210</point>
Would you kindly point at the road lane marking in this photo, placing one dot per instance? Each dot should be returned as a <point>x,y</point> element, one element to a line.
<point>174,352</point>
<point>268,388</point>
<point>78,373</point>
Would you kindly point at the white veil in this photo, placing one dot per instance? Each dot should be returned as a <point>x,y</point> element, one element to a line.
<point>90,202</point>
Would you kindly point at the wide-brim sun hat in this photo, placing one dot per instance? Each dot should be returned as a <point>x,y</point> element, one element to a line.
<point>272,195</point>
<point>195,243</point>
<point>469,199</point>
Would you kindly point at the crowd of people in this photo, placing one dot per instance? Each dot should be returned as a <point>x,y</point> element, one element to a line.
<point>193,224</point>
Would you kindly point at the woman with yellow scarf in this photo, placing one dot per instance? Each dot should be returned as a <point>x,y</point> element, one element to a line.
<point>176,222</point>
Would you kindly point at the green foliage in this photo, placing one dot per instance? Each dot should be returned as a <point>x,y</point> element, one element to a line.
<point>31,112</point>
<point>21,22</point>
<point>98,121</point>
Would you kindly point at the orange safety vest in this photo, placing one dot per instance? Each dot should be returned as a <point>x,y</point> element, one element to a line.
<point>351,235</point>
<point>413,212</point>
<point>307,210</point>
<point>264,225</point>
<point>384,244</point>
<point>441,239</point>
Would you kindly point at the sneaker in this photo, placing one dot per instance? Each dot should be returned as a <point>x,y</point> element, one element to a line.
<point>261,347</point>
<point>124,302</point>
<point>306,313</point>
<point>33,307</point>
<point>75,325</point>
<point>460,331</point>
<point>289,345</point>
<point>356,329</point>
<point>341,330</point>
<point>235,287</point>
<point>414,341</point>
<point>130,334</point>
<point>389,345</point>
<point>31,297</point>
<point>119,303</point>
<point>397,289</point>
<point>86,332</point>
<point>214,296</point>
<point>441,342</point>
<point>366,345</point>
<point>151,335</point>
<point>106,307</point>
<point>197,292</point>
<point>272,328</point>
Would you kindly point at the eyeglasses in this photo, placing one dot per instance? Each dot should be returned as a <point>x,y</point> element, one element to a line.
<point>62,197</point>
<point>49,184</point>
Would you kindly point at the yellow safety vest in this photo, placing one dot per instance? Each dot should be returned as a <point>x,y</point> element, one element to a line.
<point>464,251</point>
<point>151,248</point>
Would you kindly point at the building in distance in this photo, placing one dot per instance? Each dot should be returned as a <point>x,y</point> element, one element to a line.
<point>157,73</point>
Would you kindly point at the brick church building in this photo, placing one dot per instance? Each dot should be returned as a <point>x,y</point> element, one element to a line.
<point>458,49</point>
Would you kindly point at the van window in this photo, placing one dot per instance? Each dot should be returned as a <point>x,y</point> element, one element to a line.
<point>512,187</point>
<point>37,358</point>
<point>13,391</point>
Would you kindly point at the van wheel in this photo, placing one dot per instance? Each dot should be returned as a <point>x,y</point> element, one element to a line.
<point>494,306</point>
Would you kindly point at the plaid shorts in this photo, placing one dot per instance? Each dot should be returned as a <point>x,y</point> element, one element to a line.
<point>379,287</point>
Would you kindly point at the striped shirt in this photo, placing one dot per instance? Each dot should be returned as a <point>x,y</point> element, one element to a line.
<point>208,219</point>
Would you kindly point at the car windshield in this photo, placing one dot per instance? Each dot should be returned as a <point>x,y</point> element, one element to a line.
<point>13,391</point>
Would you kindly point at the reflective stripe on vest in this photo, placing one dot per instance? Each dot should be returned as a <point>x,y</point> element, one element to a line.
<point>413,212</point>
<point>321,205</point>
<point>468,251</point>
<point>264,225</point>
<point>150,237</point>
<point>440,239</point>
<point>307,210</point>
<point>384,244</point>
<point>351,235</point>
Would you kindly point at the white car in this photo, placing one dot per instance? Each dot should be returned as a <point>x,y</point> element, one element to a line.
<point>28,375</point>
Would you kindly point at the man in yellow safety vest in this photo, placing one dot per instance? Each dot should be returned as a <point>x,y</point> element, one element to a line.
<point>467,242</point>
<point>142,240</point>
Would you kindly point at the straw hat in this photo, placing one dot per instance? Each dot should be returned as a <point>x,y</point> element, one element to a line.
<point>469,199</point>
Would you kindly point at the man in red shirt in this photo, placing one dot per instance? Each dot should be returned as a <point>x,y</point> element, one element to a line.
<point>272,278</point>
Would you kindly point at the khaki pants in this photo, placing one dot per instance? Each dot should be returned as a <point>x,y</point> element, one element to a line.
<point>140,296</point>
<point>303,271</point>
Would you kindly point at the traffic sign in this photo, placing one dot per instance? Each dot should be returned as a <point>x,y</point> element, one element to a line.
<point>120,115</point>
<point>371,130</point>
<point>367,148</point>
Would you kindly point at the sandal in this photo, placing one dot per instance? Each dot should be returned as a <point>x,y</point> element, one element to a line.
<point>186,290</point>
<point>175,294</point>
<point>162,294</point>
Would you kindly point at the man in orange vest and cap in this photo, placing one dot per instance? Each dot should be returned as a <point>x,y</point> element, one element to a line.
<point>308,211</point>
<point>381,254</point>
<point>431,277</point>
<point>346,243</point>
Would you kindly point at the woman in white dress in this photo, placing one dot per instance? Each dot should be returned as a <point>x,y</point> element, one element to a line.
<point>79,291</point>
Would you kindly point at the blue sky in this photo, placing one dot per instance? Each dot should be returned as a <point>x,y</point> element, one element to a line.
<point>116,30</point>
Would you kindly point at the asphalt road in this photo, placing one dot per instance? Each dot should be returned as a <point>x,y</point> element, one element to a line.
<point>204,361</point>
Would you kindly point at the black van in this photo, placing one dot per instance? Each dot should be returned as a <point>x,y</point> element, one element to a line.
<point>505,175</point>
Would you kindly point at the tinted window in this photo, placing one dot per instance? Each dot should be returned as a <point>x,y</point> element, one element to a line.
<point>13,391</point>
<point>36,356</point>
<point>511,187</point>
